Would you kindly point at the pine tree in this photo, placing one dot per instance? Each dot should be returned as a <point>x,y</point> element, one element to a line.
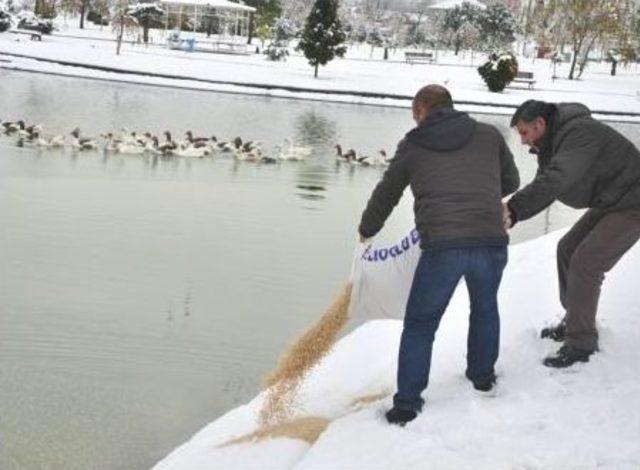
<point>323,36</point>
<point>497,26</point>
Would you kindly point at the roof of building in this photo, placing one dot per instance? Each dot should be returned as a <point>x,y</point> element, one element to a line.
<point>219,4</point>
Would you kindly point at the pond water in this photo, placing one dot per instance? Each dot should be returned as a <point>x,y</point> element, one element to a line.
<point>141,298</point>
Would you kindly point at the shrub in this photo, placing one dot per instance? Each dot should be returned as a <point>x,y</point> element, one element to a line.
<point>499,70</point>
<point>276,51</point>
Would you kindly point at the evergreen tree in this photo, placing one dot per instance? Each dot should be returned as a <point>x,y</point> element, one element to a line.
<point>149,15</point>
<point>497,26</point>
<point>323,36</point>
<point>456,21</point>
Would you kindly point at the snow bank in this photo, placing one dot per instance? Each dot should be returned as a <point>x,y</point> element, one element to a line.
<point>586,417</point>
<point>598,90</point>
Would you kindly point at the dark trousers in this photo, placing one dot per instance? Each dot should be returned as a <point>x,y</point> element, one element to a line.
<point>589,250</point>
<point>436,277</point>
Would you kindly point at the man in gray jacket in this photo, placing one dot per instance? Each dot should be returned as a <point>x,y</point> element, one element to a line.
<point>584,164</point>
<point>458,170</point>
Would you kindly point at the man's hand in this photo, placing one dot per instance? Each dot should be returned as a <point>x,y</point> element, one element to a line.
<point>507,220</point>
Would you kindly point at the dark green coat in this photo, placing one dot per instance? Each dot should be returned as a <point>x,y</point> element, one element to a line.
<point>583,163</point>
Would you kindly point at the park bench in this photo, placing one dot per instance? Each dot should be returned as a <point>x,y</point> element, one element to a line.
<point>34,35</point>
<point>525,77</point>
<point>412,57</point>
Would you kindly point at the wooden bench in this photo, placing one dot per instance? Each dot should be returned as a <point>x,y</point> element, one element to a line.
<point>35,35</point>
<point>525,77</point>
<point>412,57</point>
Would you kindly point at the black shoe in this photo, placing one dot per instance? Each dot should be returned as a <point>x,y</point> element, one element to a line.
<point>400,417</point>
<point>556,333</point>
<point>567,356</point>
<point>485,385</point>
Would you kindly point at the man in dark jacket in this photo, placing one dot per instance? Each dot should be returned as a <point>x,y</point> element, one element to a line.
<point>458,170</point>
<point>582,163</point>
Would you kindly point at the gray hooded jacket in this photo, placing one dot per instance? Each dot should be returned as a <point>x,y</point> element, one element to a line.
<point>458,170</point>
<point>584,164</point>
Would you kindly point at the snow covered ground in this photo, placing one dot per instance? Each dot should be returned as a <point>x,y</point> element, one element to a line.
<point>355,74</point>
<point>586,417</point>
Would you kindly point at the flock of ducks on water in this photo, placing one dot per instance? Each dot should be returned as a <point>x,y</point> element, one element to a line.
<point>133,143</point>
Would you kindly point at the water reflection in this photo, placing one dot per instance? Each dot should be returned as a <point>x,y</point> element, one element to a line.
<point>315,129</point>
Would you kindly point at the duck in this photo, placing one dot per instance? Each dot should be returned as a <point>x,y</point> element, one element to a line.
<point>151,147</point>
<point>30,133</point>
<point>189,151</point>
<point>347,157</point>
<point>41,141</point>
<point>111,143</point>
<point>225,146</point>
<point>293,152</point>
<point>82,143</point>
<point>268,160</point>
<point>166,149</point>
<point>57,141</point>
<point>253,154</point>
<point>169,143</point>
<point>379,159</point>
<point>339,155</point>
<point>10,127</point>
<point>197,141</point>
<point>383,160</point>
<point>129,148</point>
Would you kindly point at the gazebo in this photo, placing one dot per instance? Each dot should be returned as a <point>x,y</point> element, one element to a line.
<point>450,4</point>
<point>229,20</point>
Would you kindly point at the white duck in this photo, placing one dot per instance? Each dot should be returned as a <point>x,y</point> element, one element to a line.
<point>189,151</point>
<point>293,152</point>
<point>130,148</point>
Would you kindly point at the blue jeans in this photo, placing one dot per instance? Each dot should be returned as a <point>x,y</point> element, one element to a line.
<point>434,282</point>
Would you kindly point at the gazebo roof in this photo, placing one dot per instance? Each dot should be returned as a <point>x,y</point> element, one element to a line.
<point>449,4</point>
<point>218,4</point>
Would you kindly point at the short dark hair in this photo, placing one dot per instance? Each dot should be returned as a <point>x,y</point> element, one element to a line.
<point>433,96</point>
<point>531,110</point>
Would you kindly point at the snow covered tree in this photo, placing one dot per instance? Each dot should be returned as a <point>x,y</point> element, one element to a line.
<point>455,19</point>
<point>375,39</point>
<point>285,29</point>
<point>266,13</point>
<point>469,35</point>
<point>497,26</point>
<point>45,9</point>
<point>99,13</point>
<point>281,33</point>
<point>587,21</point>
<point>295,11</point>
<point>122,22</point>
<point>149,15</point>
<point>323,37</point>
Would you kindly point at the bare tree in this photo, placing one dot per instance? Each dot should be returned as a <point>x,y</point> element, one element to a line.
<point>122,22</point>
<point>587,21</point>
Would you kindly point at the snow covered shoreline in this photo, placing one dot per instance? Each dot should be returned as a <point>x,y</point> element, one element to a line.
<point>355,80</point>
<point>586,417</point>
